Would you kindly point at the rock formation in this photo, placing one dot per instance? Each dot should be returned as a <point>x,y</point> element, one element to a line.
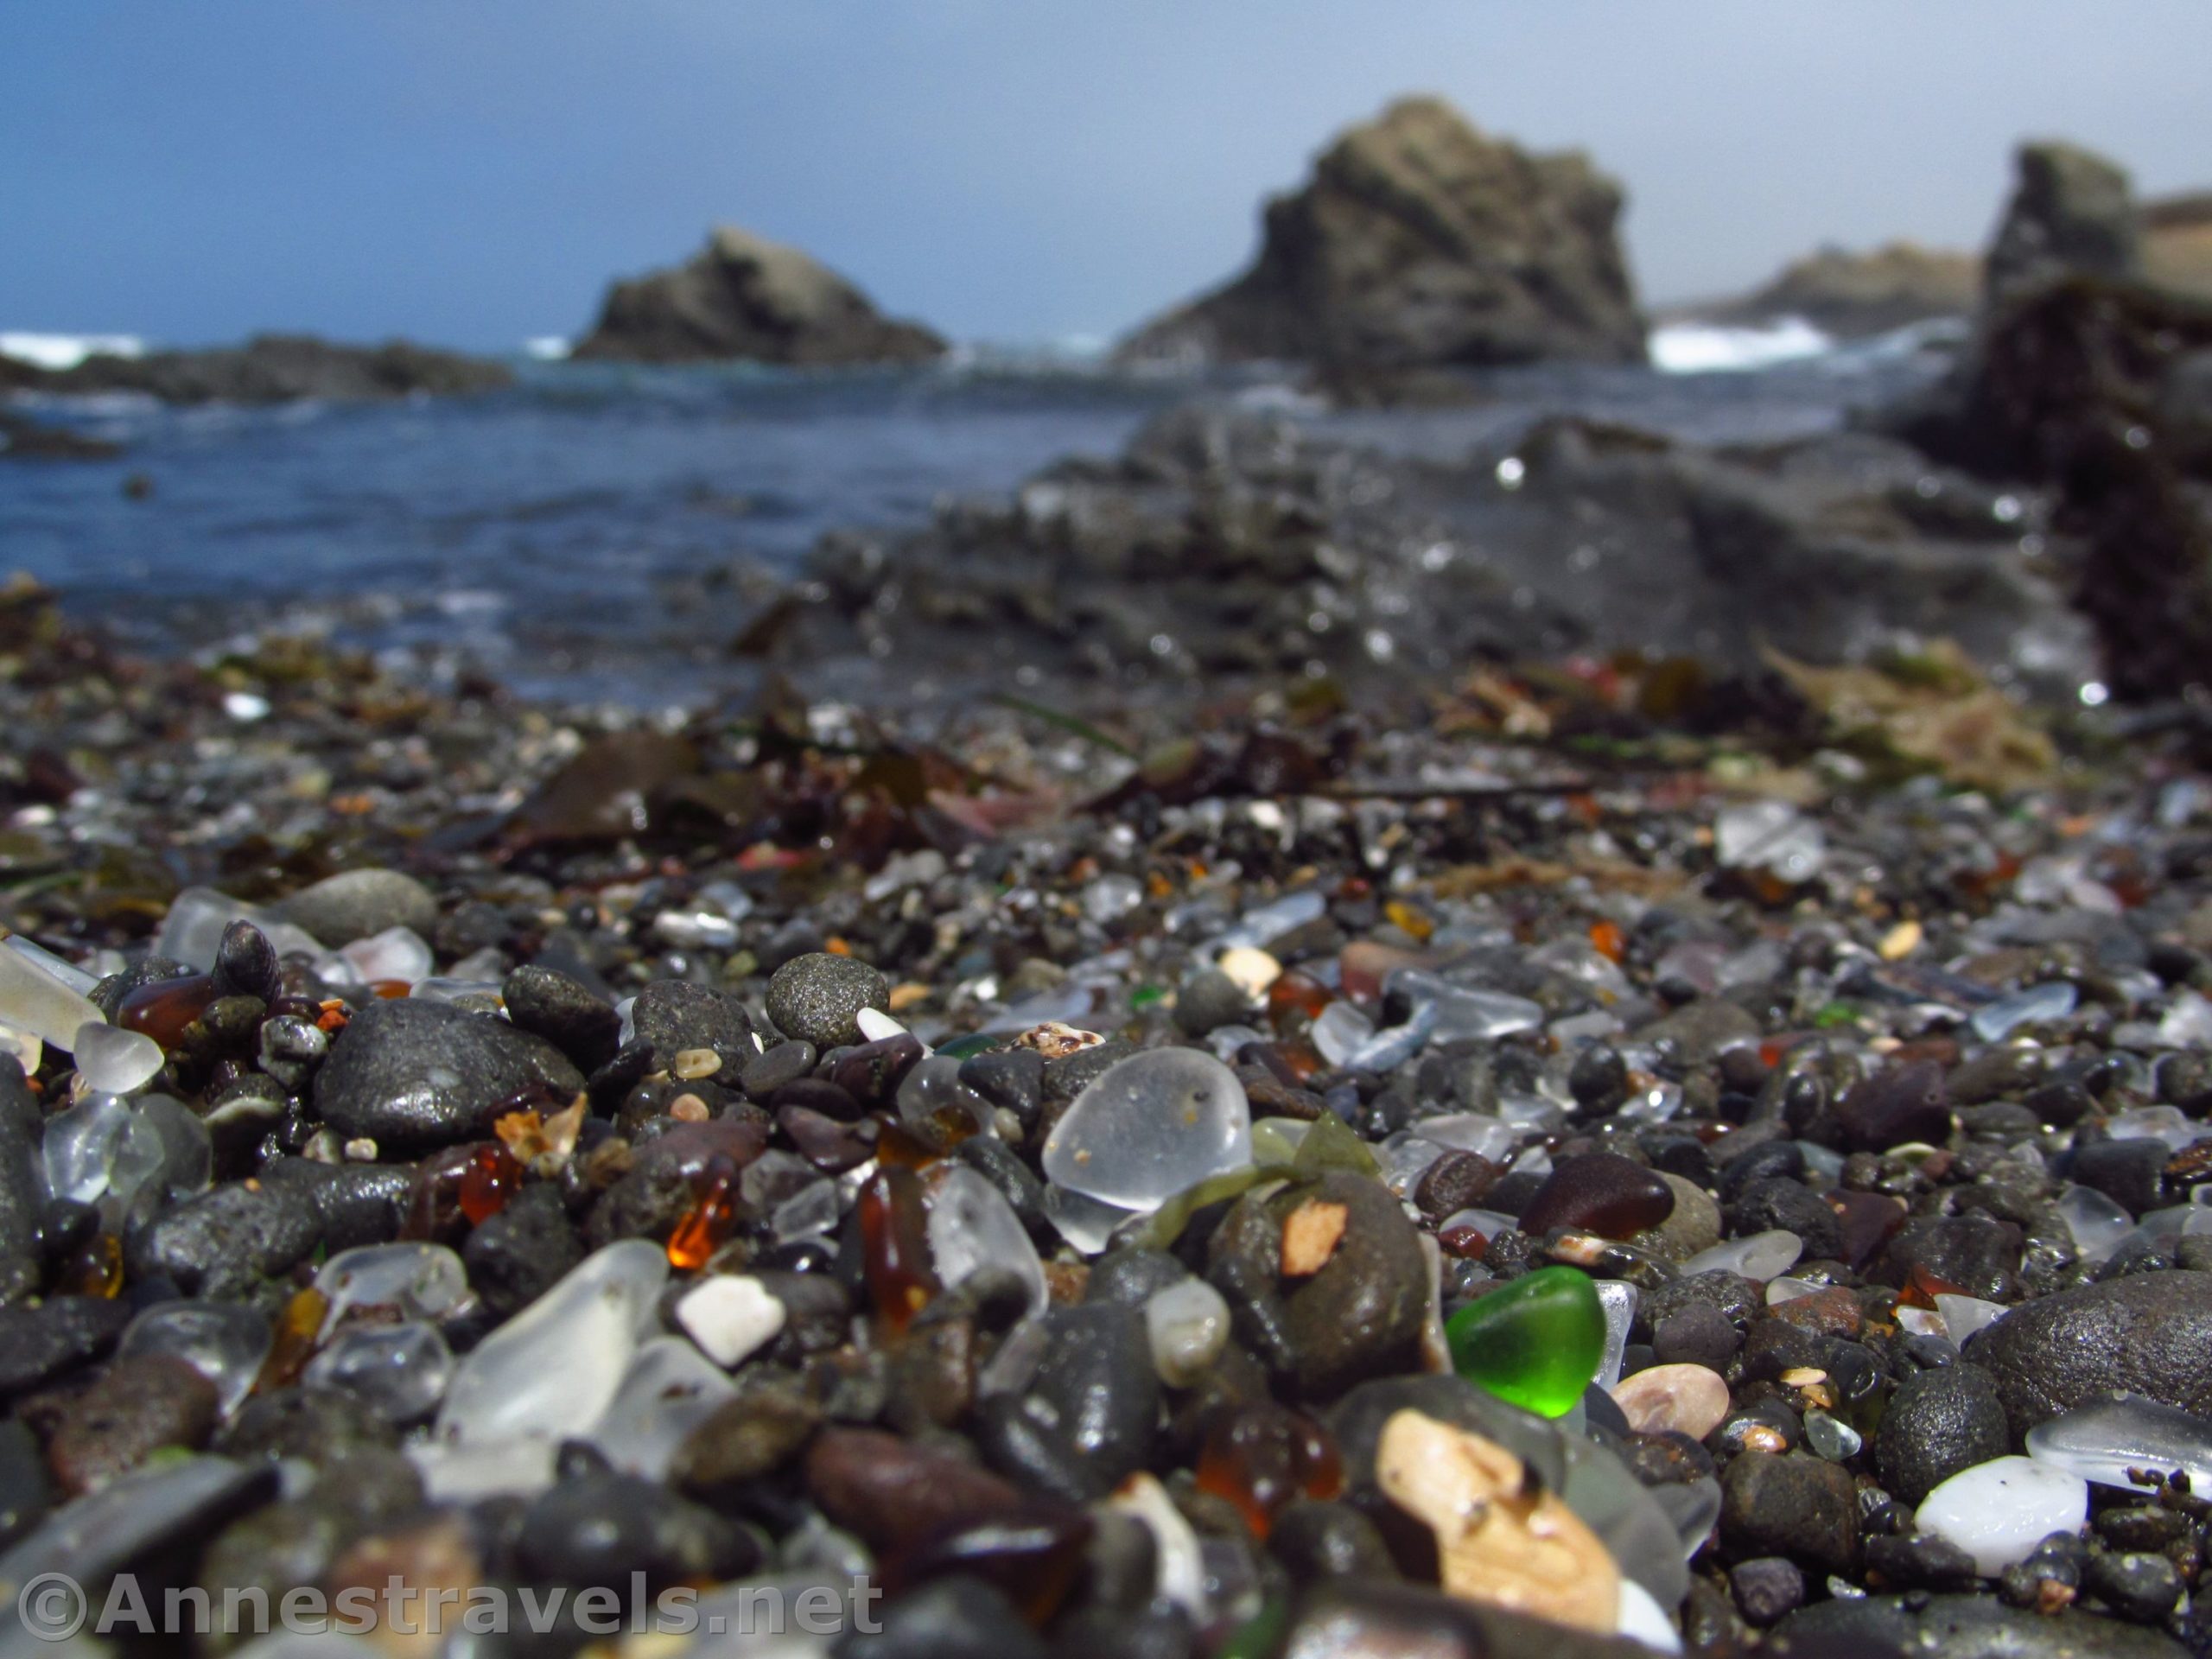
<point>1851,294</point>
<point>743,296</point>
<point>271,369</point>
<point>2178,244</point>
<point>2071,214</point>
<point>1420,243</point>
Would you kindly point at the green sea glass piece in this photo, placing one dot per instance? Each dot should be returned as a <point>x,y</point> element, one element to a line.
<point>1535,1343</point>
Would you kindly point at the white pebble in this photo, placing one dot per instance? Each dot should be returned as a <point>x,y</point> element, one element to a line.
<point>1188,1324</point>
<point>1999,1510</point>
<point>731,1316</point>
<point>875,1025</point>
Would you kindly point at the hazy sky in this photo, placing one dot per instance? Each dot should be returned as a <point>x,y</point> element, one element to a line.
<point>473,171</point>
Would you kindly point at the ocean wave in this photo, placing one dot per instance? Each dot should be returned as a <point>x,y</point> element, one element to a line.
<point>65,351</point>
<point>1710,348</point>
<point>547,348</point>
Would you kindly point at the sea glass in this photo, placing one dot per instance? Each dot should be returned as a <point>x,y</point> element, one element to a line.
<point>1149,1127</point>
<point>35,1001</point>
<point>2101,1442</point>
<point>1537,1342</point>
<point>113,1061</point>
<point>225,1342</point>
<point>399,1372</point>
<point>421,1281</point>
<point>971,1226</point>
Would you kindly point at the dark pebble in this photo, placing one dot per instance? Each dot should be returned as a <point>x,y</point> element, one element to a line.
<point>566,1012</point>
<point>893,1493</point>
<point>24,1490</point>
<point>2129,1172</point>
<point>1208,999</point>
<point>672,1015</point>
<point>756,1433</point>
<point>22,1201</point>
<point>246,964</point>
<point>1918,1560</point>
<point>1599,1193</point>
<point>1130,1277</point>
<point>1976,1252</point>
<point>1011,1078</point>
<point>515,1256</point>
<point>340,909</point>
<point>136,1408</point>
<point>955,1618</point>
<point>786,1063</point>
<point>44,1342</point>
<point>1069,1076</point>
<point>815,998</point>
<point>1766,1588</point>
<point>1317,1541</point>
<point>2137,1585</point>
<point>1700,1334</point>
<point>871,1074</point>
<point>1599,1078</point>
<point>414,1075</point>
<point>1937,1423</point>
<point>1791,1504</point>
<point>603,1528</point>
<point>1791,1206</point>
<point>225,1242</point>
<point>1955,1627</point>
<point>312,1425</point>
<point>1904,1103</point>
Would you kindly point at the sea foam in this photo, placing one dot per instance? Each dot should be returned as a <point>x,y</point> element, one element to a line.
<point>1708,349</point>
<point>66,351</point>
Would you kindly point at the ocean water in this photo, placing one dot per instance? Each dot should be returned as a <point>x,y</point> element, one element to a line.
<point>587,532</point>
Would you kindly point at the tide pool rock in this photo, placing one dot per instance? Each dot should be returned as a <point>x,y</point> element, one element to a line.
<point>1537,1342</point>
<point>2146,1334</point>
<point>1999,1510</point>
<point>413,1074</point>
<point>1150,1126</point>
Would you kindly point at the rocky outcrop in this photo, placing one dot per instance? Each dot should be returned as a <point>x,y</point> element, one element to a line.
<point>743,296</point>
<point>1224,546</point>
<point>1850,296</point>
<point>272,369</point>
<point>22,439</point>
<point>1419,241</point>
<point>2085,377</point>
<point>2072,213</point>
<point>2178,244</point>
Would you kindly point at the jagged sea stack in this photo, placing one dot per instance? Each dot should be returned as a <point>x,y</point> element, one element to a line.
<point>1421,243</point>
<point>744,297</point>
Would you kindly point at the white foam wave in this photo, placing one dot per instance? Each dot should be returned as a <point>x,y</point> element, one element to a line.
<point>1708,349</point>
<point>546,348</point>
<point>66,351</point>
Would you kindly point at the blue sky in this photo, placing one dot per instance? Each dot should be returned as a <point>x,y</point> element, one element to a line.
<point>473,171</point>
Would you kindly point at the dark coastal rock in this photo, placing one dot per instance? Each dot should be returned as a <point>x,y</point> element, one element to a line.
<point>1419,243</point>
<point>275,369</point>
<point>27,440</point>
<point>2072,213</point>
<point>1937,1423</point>
<point>744,296</point>
<point>2145,1333</point>
<point>1976,1252</point>
<point>1851,294</point>
<point>815,998</point>
<point>415,1075</point>
<point>1957,1627</point>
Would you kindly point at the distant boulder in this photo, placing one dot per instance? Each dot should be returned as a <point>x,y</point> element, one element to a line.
<point>744,296</point>
<point>1850,296</point>
<point>2072,215</point>
<point>2178,244</point>
<point>1419,243</point>
<point>272,369</point>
